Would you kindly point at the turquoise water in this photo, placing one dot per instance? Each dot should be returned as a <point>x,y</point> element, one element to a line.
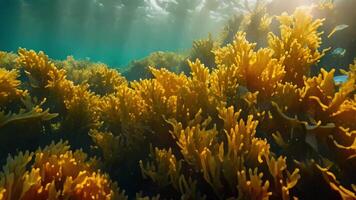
<point>117,32</point>
<point>238,122</point>
<point>111,31</point>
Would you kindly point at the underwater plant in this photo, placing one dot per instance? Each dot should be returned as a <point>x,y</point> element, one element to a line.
<point>76,70</point>
<point>55,172</point>
<point>230,29</point>
<point>140,69</point>
<point>73,102</point>
<point>18,110</point>
<point>203,51</point>
<point>249,121</point>
<point>7,60</point>
<point>273,88</point>
<point>9,84</point>
<point>223,165</point>
<point>99,77</point>
<point>254,70</point>
<point>104,81</point>
<point>297,45</point>
<point>255,22</point>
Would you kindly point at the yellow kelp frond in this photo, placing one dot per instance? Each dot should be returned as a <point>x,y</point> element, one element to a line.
<point>122,111</point>
<point>203,50</point>
<point>264,73</point>
<point>322,101</point>
<point>318,111</point>
<point>198,119</point>
<point>113,148</point>
<point>28,114</point>
<point>55,173</point>
<point>229,73</point>
<point>82,110</point>
<point>79,93</point>
<point>256,24</point>
<point>352,68</point>
<point>78,71</point>
<point>57,162</point>
<point>212,170</point>
<point>9,87</point>
<point>170,81</point>
<point>7,60</point>
<point>230,29</point>
<point>257,71</point>
<point>139,69</point>
<point>334,184</point>
<point>252,186</point>
<point>229,116</point>
<point>156,98</point>
<point>159,104</point>
<point>193,140</point>
<point>297,44</point>
<point>346,89</point>
<point>346,114</point>
<point>163,168</point>
<point>12,173</point>
<point>287,96</point>
<point>241,148</point>
<point>240,139</point>
<point>301,27</point>
<point>99,76</point>
<point>237,55</point>
<point>318,93</point>
<point>344,92</point>
<point>188,94</point>
<point>283,180</point>
<point>123,116</point>
<point>88,186</point>
<point>257,19</point>
<point>45,79</point>
<point>320,182</point>
<point>199,72</point>
<point>75,102</point>
<point>344,145</point>
<point>322,86</point>
<point>199,88</point>
<point>189,190</point>
<point>224,85</point>
<point>103,80</point>
<point>41,71</point>
<point>2,193</point>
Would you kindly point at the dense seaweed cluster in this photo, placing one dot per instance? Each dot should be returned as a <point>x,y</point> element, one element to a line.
<point>55,172</point>
<point>255,22</point>
<point>140,68</point>
<point>253,125</point>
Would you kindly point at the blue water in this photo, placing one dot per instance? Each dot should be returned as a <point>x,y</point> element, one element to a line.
<point>110,31</point>
<point>340,79</point>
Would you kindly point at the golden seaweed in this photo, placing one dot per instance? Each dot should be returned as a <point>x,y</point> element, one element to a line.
<point>9,87</point>
<point>55,173</point>
<point>244,124</point>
